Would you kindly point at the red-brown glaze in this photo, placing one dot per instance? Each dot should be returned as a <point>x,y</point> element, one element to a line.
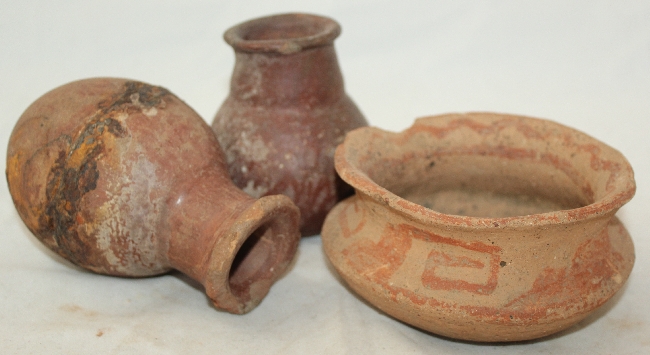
<point>595,267</point>
<point>481,278</point>
<point>378,261</point>
<point>286,112</point>
<point>437,259</point>
<point>345,224</point>
<point>386,256</point>
<point>123,178</point>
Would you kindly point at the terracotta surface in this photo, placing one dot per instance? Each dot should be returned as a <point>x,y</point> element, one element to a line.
<point>123,178</point>
<point>481,226</point>
<point>286,112</point>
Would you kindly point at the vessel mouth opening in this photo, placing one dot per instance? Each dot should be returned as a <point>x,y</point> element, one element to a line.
<point>488,183</point>
<point>298,28</point>
<point>468,201</point>
<point>257,258</point>
<point>487,166</point>
<point>275,33</point>
<point>267,243</point>
<point>255,252</point>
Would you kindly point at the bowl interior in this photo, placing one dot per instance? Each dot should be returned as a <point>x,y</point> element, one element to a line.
<point>488,165</point>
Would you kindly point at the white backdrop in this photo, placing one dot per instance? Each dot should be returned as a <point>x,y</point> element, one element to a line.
<point>585,64</point>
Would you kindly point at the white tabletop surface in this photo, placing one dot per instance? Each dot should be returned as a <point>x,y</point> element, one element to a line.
<point>585,64</point>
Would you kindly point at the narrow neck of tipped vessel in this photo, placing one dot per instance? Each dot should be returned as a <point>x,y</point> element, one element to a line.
<point>234,245</point>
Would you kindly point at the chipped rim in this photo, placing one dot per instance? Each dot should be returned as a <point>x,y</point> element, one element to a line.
<point>323,31</point>
<point>607,205</point>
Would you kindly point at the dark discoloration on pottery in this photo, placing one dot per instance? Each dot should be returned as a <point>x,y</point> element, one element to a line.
<point>123,178</point>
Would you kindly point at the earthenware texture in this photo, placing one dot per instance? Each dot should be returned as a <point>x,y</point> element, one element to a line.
<point>123,178</point>
<point>481,226</point>
<point>286,112</point>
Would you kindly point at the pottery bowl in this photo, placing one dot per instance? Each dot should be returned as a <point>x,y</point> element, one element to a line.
<point>482,227</point>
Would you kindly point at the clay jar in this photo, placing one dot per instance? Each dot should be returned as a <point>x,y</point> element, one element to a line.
<point>123,178</point>
<point>286,113</point>
<point>482,227</point>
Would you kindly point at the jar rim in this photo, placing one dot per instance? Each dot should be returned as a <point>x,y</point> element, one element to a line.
<point>283,34</point>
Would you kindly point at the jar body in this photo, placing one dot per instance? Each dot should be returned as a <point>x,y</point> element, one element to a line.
<point>123,178</point>
<point>286,113</point>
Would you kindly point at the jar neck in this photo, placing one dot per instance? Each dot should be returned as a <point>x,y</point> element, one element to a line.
<point>198,209</point>
<point>234,245</point>
<point>310,77</point>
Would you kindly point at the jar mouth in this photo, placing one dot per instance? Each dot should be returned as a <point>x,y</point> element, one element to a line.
<point>283,34</point>
<point>487,170</point>
<point>255,252</point>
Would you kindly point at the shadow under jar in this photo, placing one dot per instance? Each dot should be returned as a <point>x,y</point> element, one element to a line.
<point>482,227</point>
